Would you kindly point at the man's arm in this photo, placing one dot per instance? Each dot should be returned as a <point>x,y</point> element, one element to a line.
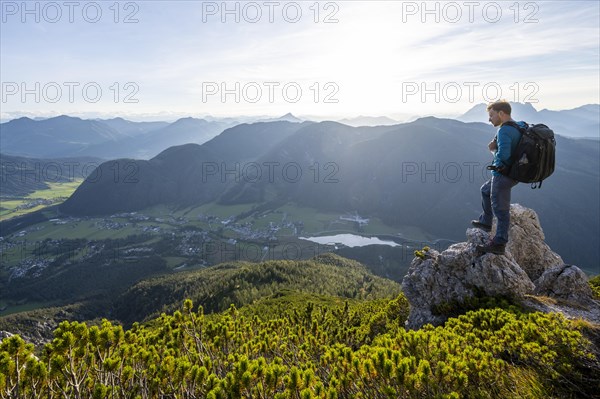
<point>503,153</point>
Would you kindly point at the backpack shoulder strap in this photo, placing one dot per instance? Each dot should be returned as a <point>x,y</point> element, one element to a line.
<point>521,130</point>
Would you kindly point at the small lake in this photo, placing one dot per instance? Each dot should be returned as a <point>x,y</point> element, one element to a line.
<point>350,240</point>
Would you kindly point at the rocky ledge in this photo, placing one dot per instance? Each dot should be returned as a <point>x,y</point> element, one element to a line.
<point>529,273</point>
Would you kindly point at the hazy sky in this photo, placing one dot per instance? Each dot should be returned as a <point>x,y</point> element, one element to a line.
<point>159,59</point>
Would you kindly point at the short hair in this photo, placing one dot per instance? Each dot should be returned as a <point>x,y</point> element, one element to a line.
<point>498,106</point>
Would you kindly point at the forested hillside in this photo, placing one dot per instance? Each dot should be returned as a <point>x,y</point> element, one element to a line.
<point>304,346</point>
<point>242,283</point>
<point>298,344</point>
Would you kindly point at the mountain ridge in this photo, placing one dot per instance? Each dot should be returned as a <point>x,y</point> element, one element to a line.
<point>407,174</point>
<point>298,344</point>
<point>66,136</point>
<point>578,122</point>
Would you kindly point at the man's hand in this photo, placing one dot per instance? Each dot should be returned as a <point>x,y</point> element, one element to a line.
<point>493,145</point>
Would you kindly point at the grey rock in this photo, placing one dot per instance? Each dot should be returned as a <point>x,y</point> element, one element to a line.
<point>460,272</point>
<point>566,282</point>
<point>456,274</point>
<point>526,243</point>
<point>571,310</point>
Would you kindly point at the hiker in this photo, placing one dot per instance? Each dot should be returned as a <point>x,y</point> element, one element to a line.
<point>495,192</point>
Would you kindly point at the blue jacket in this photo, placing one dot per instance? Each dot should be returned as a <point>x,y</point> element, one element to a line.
<point>507,139</point>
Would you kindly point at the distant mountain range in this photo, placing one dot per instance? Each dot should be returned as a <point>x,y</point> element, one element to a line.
<point>62,136</point>
<point>426,173</point>
<point>66,136</point>
<point>287,117</point>
<point>151,143</point>
<point>582,121</point>
<point>132,128</point>
<point>368,121</point>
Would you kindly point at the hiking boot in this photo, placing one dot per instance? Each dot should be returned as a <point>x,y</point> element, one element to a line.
<point>479,225</point>
<point>492,247</point>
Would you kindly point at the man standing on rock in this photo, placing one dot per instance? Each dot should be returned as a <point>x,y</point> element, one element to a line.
<point>495,192</point>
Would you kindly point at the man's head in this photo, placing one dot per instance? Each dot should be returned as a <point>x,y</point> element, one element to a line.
<point>499,112</point>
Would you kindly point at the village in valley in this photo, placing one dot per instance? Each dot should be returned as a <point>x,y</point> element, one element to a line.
<point>195,240</point>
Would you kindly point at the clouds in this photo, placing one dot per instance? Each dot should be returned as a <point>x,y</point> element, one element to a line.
<point>370,50</point>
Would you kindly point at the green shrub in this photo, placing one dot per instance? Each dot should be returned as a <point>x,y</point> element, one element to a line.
<point>296,345</point>
<point>595,284</point>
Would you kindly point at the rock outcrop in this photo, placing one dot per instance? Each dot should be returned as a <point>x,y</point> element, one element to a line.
<point>435,280</point>
<point>565,282</point>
